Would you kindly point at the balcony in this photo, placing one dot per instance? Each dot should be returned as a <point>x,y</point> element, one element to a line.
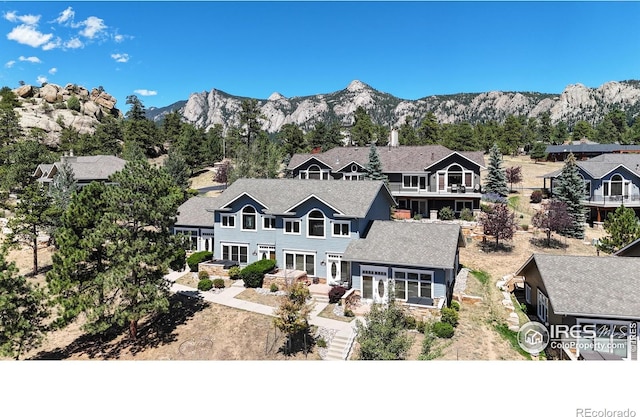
<point>398,189</point>
<point>613,200</point>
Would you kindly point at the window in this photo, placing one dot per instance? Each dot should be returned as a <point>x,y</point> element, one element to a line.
<point>268,223</point>
<point>248,218</point>
<point>527,293</point>
<point>462,204</point>
<point>341,229</point>
<point>610,337</point>
<point>411,283</point>
<point>454,175</point>
<point>315,223</point>
<point>292,227</point>
<point>235,252</point>
<point>301,262</point>
<point>267,252</point>
<point>543,306</point>
<point>616,185</point>
<point>228,220</point>
<point>314,172</point>
<point>191,237</point>
<point>353,177</point>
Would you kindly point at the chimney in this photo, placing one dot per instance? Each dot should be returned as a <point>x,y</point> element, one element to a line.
<point>394,138</point>
<point>432,156</point>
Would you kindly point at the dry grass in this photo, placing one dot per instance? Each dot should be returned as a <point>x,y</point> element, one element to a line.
<point>253,296</point>
<point>328,313</point>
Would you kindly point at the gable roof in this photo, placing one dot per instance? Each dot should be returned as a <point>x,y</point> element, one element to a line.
<point>600,286</point>
<point>601,165</point>
<point>392,158</point>
<point>408,243</point>
<point>633,247</point>
<point>196,212</point>
<point>85,168</point>
<point>279,196</point>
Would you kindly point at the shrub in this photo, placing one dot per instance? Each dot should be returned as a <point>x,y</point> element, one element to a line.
<point>349,313</point>
<point>73,103</point>
<point>536,196</point>
<point>274,287</point>
<point>443,330</point>
<point>253,274</point>
<point>218,283</point>
<point>486,208</point>
<point>205,284</point>
<point>467,215</point>
<point>234,272</point>
<point>336,293</point>
<point>203,275</point>
<point>455,305</point>
<point>421,326</point>
<point>417,217</point>
<point>446,213</point>
<point>410,322</point>
<point>494,198</point>
<point>450,316</point>
<point>524,227</point>
<point>195,258</point>
<point>322,343</point>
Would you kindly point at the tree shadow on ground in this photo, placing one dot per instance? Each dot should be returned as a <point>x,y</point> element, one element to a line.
<point>302,342</point>
<point>152,332</point>
<point>552,243</point>
<point>491,246</point>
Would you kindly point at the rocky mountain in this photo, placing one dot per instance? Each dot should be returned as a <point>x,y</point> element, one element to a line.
<point>576,102</point>
<point>47,108</point>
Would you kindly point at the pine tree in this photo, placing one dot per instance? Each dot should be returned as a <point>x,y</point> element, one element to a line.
<point>23,311</point>
<point>374,166</point>
<point>383,336</point>
<point>570,190</point>
<point>622,227</point>
<point>63,186</point>
<point>496,181</point>
<point>177,168</point>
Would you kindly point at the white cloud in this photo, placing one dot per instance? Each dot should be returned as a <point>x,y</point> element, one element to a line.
<point>73,43</point>
<point>27,19</point>
<point>32,59</point>
<point>120,57</point>
<point>144,92</point>
<point>118,38</point>
<point>28,35</point>
<point>93,26</point>
<point>66,15</point>
<point>53,70</point>
<point>10,64</point>
<point>41,79</point>
<point>52,45</point>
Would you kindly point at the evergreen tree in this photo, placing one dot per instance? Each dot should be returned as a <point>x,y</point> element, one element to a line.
<point>383,336</point>
<point>251,121</point>
<point>23,311</point>
<point>538,151</point>
<point>110,136</point>
<point>212,149</point>
<point>496,181</point>
<point>177,168</point>
<point>570,189</point>
<point>292,139</point>
<point>560,133</point>
<point>362,131</point>
<point>374,166</point>
<point>63,186</point>
<point>622,227</point>
<point>581,130</point>
<point>407,134</point>
<point>429,130</point>
<point>545,129</point>
<point>317,137</point>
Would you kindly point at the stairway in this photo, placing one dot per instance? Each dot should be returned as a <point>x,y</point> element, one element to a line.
<point>337,348</point>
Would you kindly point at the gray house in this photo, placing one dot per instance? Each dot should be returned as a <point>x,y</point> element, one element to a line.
<point>85,168</point>
<point>611,180</point>
<point>599,292</point>
<point>195,219</point>
<point>423,179</point>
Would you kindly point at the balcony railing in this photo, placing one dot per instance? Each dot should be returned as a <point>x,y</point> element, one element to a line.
<point>459,189</point>
<point>614,199</point>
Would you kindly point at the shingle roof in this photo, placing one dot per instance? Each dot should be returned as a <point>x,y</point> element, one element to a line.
<point>601,165</point>
<point>193,212</point>
<point>351,198</point>
<point>591,147</point>
<point>630,247</point>
<point>393,159</point>
<point>589,285</point>
<point>408,243</point>
<point>87,168</point>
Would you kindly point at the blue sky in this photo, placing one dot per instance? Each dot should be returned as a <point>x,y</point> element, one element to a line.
<point>164,51</point>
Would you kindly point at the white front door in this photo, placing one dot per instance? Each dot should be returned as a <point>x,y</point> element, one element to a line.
<point>375,284</point>
<point>334,270</point>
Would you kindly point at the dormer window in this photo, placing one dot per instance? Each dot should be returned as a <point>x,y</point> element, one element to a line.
<point>248,218</point>
<point>314,172</point>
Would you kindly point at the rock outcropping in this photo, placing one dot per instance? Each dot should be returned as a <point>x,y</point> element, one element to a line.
<point>46,108</point>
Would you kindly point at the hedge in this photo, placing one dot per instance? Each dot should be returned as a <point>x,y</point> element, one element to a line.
<point>205,284</point>
<point>195,258</point>
<point>253,274</point>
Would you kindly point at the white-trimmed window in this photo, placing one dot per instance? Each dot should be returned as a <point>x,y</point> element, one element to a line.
<point>228,220</point>
<point>455,176</point>
<point>543,306</point>
<point>414,182</point>
<point>610,337</point>
<point>301,261</point>
<point>292,227</point>
<point>409,283</point>
<point>249,218</point>
<point>527,293</point>
<point>191,236</point>
<point>266,252</point>
<point>353,177</point>
<point>314,172</point>
<point>341,228</point>
<point>315,224</point>
<point>235,252</point>
<point>616,186</point>
<point>463,204</point>
<point>268,223</point>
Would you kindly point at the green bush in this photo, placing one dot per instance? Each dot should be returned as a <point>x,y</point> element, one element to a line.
<point>524,227</point>
<point>417,217</point>
<point>273,287</point>
<point>450,316</point>
<point>349,313</point>
<point>203,275</point>
<point>73,103</point>
<point>218,283</point>
<point>536,196</point>
<point>253,274</point>
<point>205,284</point>
<point>446,213</point>
<point>195,258</point>
<point>486,208</point>
<point>421,326</point>
<point>443,330</point>
<point>322,343</point>
<point>467,215</point>
<point>455,305</point>
<point>234,272</point>
<point>410,322</point>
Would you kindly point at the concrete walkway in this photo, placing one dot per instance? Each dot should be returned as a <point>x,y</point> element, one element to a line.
<point>227,298</point>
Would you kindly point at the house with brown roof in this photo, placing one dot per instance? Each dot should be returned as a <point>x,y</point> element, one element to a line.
<point>423,179</point>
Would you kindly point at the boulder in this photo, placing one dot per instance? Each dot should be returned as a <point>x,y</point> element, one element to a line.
<point>103,99</point>
<point>51,93</point>
<point>90,108</point>
<point>24,91</point>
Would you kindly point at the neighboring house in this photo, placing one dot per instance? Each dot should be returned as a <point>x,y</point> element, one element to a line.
<point>611,180</point>
<point>195,219</point>
<point>586,290</point>
<point>423,179</point>
<point>631,250</point>
<point>85,168</point>
<point>587,150</point>
<point>418,262</point>
<point>339,232</point>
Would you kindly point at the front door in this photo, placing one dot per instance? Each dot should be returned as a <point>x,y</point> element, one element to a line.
<point>375,284</point>
<point>334,269</point>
